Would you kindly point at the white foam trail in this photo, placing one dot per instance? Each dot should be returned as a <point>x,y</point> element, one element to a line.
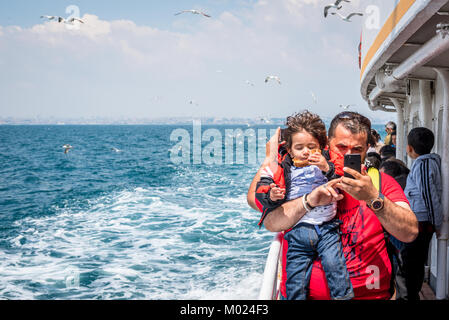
<point>139,244</point>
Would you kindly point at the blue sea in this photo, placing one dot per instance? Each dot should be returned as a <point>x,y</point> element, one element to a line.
<point>117,218</point>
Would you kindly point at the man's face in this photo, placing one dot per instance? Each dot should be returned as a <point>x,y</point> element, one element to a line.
<point>388,130</point>
<point>345,142</point>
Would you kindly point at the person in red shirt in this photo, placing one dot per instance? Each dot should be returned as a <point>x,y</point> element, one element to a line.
<point>364,211</point>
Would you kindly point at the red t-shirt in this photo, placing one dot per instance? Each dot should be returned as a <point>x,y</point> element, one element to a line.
<point>363,247</point>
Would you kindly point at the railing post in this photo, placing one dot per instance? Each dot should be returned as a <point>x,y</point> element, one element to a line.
<point>270,278</point>
<point>441,283</point>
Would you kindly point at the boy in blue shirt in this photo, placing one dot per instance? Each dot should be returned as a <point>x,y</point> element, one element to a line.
<point>423,191</point>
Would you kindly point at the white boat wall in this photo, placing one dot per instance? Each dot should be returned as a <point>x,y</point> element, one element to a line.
<point>405,70</point>
<point>404,65</point>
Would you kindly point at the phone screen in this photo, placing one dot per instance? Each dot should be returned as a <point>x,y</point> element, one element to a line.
<point>353,161</point>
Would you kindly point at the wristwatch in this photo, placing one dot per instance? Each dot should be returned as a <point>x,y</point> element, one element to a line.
<point>376,204</point>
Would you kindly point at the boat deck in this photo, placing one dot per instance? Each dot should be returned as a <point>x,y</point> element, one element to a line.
<point>426,292</point>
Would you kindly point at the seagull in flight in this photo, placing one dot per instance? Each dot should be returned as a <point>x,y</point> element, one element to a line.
<point>72,20</point>
<point>59,19</point>
<point>67,148</point>
<point>346,107</point>
<point>249,83</point>
<point>273,78</point>
<point>348,17</point>
<point>194,12</point>
<point>333,6</point>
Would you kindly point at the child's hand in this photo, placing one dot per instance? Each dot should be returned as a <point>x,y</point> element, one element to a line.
<point>318,160</point>
<point>276,193</point>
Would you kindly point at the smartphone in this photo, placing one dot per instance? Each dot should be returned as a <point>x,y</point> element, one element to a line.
<point>353,161</point>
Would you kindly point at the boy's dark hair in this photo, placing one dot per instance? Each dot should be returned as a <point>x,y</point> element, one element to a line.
<point>421,140</point>
<point>354,122</point>
<point>387,152</point>
<point>308,122</point>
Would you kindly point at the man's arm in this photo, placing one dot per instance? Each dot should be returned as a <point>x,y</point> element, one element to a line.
<point>397,218</point>
<point>290,212</point>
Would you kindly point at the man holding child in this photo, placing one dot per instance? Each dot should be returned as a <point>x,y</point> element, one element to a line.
<point>365,212</point>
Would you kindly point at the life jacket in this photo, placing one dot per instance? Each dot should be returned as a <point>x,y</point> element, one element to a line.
<point>278,170</point>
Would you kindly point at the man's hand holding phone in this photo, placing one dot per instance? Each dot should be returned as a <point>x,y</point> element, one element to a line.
<point>356,181</point>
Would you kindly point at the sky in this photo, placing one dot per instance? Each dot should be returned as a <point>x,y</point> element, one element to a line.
<point>137,59</point>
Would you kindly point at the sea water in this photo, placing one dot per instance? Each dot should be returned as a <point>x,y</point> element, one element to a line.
<point>115,218</point>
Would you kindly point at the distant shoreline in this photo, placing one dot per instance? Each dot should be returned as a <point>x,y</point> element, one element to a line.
<point>171,122</point>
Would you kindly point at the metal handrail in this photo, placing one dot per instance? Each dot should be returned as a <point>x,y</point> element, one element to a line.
<point>270,283</point>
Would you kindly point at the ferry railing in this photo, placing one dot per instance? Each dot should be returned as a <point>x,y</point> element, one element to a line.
<point>271,284</point>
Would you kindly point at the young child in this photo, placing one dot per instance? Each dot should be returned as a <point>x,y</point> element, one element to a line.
<point>317,234</point>
<point>424,192</point>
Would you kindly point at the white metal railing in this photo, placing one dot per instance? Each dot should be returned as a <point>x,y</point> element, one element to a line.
<point>270,284</point>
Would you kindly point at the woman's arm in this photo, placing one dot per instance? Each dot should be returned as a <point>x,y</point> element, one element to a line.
<point>271,152</point>
<point>251,196</point>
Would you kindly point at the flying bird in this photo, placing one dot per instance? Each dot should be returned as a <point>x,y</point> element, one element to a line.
<point>346,107</point>
<point>273,78</point>
<point>67,148</point>
<point>333,6</point>
<point>194,12</point>
<point>348,17</point>
<point>59,19</point>
<point>48,17</point>
<point>249,83</point>
<point>72,20</point>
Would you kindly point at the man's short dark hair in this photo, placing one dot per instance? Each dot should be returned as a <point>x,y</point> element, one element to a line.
<point>421,140</point>
<point>353,121</point>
